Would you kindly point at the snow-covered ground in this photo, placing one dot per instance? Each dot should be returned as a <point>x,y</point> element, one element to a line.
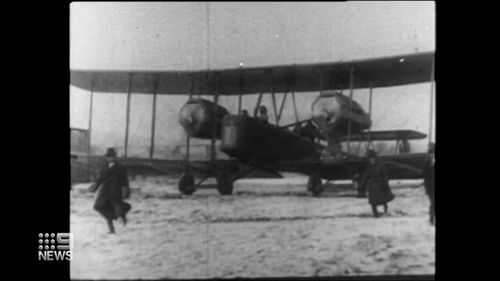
<point>268,228</point>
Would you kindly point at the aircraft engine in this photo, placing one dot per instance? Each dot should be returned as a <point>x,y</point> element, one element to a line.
<point>332,113</point>
<point>199,116</point>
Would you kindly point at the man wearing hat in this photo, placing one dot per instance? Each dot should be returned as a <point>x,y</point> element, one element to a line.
<point>113,188</point>
<point>379,191</point>
<point>429,181</point>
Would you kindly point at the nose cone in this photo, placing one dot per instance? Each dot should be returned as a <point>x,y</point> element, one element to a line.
<point>326,112</point>
<point>191,116</point>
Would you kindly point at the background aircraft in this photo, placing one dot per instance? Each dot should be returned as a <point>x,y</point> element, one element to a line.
<point>267,149</point>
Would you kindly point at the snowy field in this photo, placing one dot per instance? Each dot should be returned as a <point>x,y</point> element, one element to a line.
<point>268,228</point>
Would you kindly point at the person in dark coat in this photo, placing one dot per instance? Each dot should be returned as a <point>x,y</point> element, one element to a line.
<point>429,181</point>
<point>113,187</point>
<point>404,146</point>
<point>379,191</point>
<point>263,117</point>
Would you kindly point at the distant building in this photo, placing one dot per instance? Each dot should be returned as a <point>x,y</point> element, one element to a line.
<point>79,149</point>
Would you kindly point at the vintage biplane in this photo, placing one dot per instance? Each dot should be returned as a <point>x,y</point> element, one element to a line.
<point>264,148</point>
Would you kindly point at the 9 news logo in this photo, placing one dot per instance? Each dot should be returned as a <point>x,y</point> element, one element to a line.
<point>52,246</point>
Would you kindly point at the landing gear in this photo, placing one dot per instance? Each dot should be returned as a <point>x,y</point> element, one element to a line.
<point>314,185</point>
<point>224,184</point>
<point>186,184</point>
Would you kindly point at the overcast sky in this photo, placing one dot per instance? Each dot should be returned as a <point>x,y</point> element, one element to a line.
<point>173,36</point>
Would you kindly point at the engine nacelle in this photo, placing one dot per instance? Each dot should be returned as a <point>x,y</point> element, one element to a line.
<point>332,112</point>
<point>199,116</point>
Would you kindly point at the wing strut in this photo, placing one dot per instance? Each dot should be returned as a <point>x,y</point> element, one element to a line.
<point>153,119</point>
<point>240,88</point>
<point>128,113</point>
<point>259,100</point>
<point>281,107</point>
<point>258,104</point>
<point>432,102</point>
<point>295,112</point>
<point>214,128</point>
<point>274,107</point>
<point>370,113</point>
<point>188,138</point>
<point>271,86</point>
<point>295,107</point>
<point>90,113</point>
<point>290,82</point>
<point>89,166</point>
<point>350,106</point>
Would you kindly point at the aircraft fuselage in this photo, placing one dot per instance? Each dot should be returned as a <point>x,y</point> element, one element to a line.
<point>251,141</point>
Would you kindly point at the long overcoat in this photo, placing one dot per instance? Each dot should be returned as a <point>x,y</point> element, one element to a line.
<point>112,187</point>
<point>379,191</point>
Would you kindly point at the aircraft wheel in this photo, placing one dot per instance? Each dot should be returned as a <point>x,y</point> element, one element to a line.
<point>314,185</point>
<point>186,184</point>
<point>224,184</point>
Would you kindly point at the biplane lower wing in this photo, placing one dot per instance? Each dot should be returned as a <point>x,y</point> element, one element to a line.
<point>385,135</point>
<point>155,167</point>
<point>199,168</point>
<point>379,135</point>
<point>405,166</point>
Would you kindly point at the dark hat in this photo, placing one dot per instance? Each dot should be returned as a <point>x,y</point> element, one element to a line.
<point>110,152</point>
<point>432,147</point>
<point>371,153</point>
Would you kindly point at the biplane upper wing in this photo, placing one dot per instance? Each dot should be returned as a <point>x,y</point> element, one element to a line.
<point>375,72</point>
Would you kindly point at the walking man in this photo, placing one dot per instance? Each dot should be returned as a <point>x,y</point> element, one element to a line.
<point>379,191</point>
<point>113,188</point>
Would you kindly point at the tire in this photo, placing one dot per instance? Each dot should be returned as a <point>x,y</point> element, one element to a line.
<point>186,184</point>
<point>314,185</point>
<point>224,185</point>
